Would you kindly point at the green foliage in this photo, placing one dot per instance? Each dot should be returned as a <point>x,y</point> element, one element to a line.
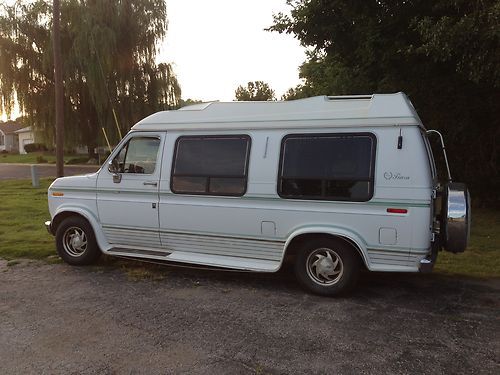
<point>109,51</point>
<point>184,103</point>
<point>444,54</point>
<point>255,91</point>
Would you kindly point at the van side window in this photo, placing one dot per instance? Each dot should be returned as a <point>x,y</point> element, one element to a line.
<point>138,155</point>
<point>211,165</point>
<point>337,167</point>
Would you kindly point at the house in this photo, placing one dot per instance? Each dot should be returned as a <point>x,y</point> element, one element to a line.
<point>25,137</point>
<point>8,136</point>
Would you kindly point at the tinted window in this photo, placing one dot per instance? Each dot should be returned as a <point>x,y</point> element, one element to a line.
<point>211,165</point>
<point>138,155</point>
<point>327,166</point>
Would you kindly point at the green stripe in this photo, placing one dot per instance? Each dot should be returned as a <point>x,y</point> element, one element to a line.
<point>109,190</point>
<point>249,197</point>
<point>272,198</point>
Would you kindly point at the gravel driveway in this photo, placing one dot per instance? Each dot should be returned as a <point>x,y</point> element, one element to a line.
<point>57,319</point>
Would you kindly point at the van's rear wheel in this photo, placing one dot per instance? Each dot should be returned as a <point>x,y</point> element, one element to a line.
<point>76,243</point>
<point>327,267</point>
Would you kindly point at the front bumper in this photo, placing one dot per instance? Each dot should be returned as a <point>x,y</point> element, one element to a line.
<point>48,226</point>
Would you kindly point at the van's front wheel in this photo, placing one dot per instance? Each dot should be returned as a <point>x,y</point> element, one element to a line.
<point>75,242</point>
<point>327,267</point>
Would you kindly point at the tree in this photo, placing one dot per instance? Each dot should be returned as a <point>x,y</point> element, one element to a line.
<point>444,54</point>
<point>188,101</point>
<point>255,91</point>
<point>111,78</point>
<point>59,94</point>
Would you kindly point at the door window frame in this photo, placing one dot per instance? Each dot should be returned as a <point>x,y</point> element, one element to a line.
<point>125,140</point>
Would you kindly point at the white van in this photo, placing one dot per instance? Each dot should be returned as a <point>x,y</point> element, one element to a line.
<point>331,183</point>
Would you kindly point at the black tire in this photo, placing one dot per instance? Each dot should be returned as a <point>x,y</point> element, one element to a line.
<point>333,278</point>
<point>79,251</point>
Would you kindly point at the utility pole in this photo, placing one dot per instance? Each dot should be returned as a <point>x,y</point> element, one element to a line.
<point>56,41</point>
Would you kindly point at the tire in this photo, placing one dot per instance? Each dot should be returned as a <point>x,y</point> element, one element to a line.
<point>455,217</point>
<point>76,243</point>
<point>339,262</point>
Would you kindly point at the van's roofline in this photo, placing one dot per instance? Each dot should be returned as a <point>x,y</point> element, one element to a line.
<point>324,111</point>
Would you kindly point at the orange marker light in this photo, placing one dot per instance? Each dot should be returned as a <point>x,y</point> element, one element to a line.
<point>57,194</point>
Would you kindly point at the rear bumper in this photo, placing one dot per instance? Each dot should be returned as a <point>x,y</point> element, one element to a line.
<point>48,226</point>
<point>426,265</point>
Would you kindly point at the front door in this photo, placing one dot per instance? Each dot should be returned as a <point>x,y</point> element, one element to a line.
<point>127,192</point>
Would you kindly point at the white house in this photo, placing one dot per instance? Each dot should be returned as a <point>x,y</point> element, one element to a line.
<point>8,136</point>
<point>25,137</point>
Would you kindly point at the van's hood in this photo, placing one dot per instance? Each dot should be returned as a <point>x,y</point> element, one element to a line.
<point>84,181</point>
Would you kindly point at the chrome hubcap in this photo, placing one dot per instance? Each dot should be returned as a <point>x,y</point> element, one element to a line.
<point>324,266</point>
<point>75,241</point>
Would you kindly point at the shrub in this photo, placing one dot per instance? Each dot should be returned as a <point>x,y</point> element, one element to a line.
<point>33,147</point>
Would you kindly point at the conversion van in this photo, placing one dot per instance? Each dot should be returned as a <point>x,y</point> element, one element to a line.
<point>333,184</point>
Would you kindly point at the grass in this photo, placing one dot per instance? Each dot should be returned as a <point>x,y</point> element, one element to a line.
<point>23,210</point>
<point>482,257</point>
<point>39,157</point>
<point>30,158</point>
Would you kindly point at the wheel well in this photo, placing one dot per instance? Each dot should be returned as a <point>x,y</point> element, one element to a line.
<point>297,241</point>
<point>58,219</point>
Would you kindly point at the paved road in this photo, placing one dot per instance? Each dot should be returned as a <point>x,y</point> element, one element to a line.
<point>21,171</point>
<point>57,319</point>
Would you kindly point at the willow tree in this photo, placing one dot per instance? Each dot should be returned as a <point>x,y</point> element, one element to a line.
<point>111,77</point>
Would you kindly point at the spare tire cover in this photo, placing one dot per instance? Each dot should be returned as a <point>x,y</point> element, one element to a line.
<point>456,217</point>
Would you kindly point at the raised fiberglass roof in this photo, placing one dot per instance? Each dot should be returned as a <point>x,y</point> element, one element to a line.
<point>324,111</point>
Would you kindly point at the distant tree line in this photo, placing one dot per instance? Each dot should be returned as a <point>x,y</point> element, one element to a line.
<point>444,54</point>
<point>111,78</point>
<point>255,91</point>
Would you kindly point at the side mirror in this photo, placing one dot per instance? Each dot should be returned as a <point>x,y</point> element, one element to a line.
<point>113,166</point>
<point>115,170</point>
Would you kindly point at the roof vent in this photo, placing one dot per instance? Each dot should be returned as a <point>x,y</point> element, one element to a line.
<point>351,97</point>
<point>196,107</point>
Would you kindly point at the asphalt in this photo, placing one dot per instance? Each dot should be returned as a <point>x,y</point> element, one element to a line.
<point>58,319</point>
<point>23,171</point>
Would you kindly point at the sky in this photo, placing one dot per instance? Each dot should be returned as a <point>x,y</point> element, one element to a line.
<point>217,45</point>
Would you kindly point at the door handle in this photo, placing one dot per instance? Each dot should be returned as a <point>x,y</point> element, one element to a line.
<point>150,183</point>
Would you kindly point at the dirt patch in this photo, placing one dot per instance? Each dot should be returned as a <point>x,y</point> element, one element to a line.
<point>59,319</point>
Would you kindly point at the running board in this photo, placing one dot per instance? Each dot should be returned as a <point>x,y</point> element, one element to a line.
<point>206,260</point>
<point>137,252</point>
